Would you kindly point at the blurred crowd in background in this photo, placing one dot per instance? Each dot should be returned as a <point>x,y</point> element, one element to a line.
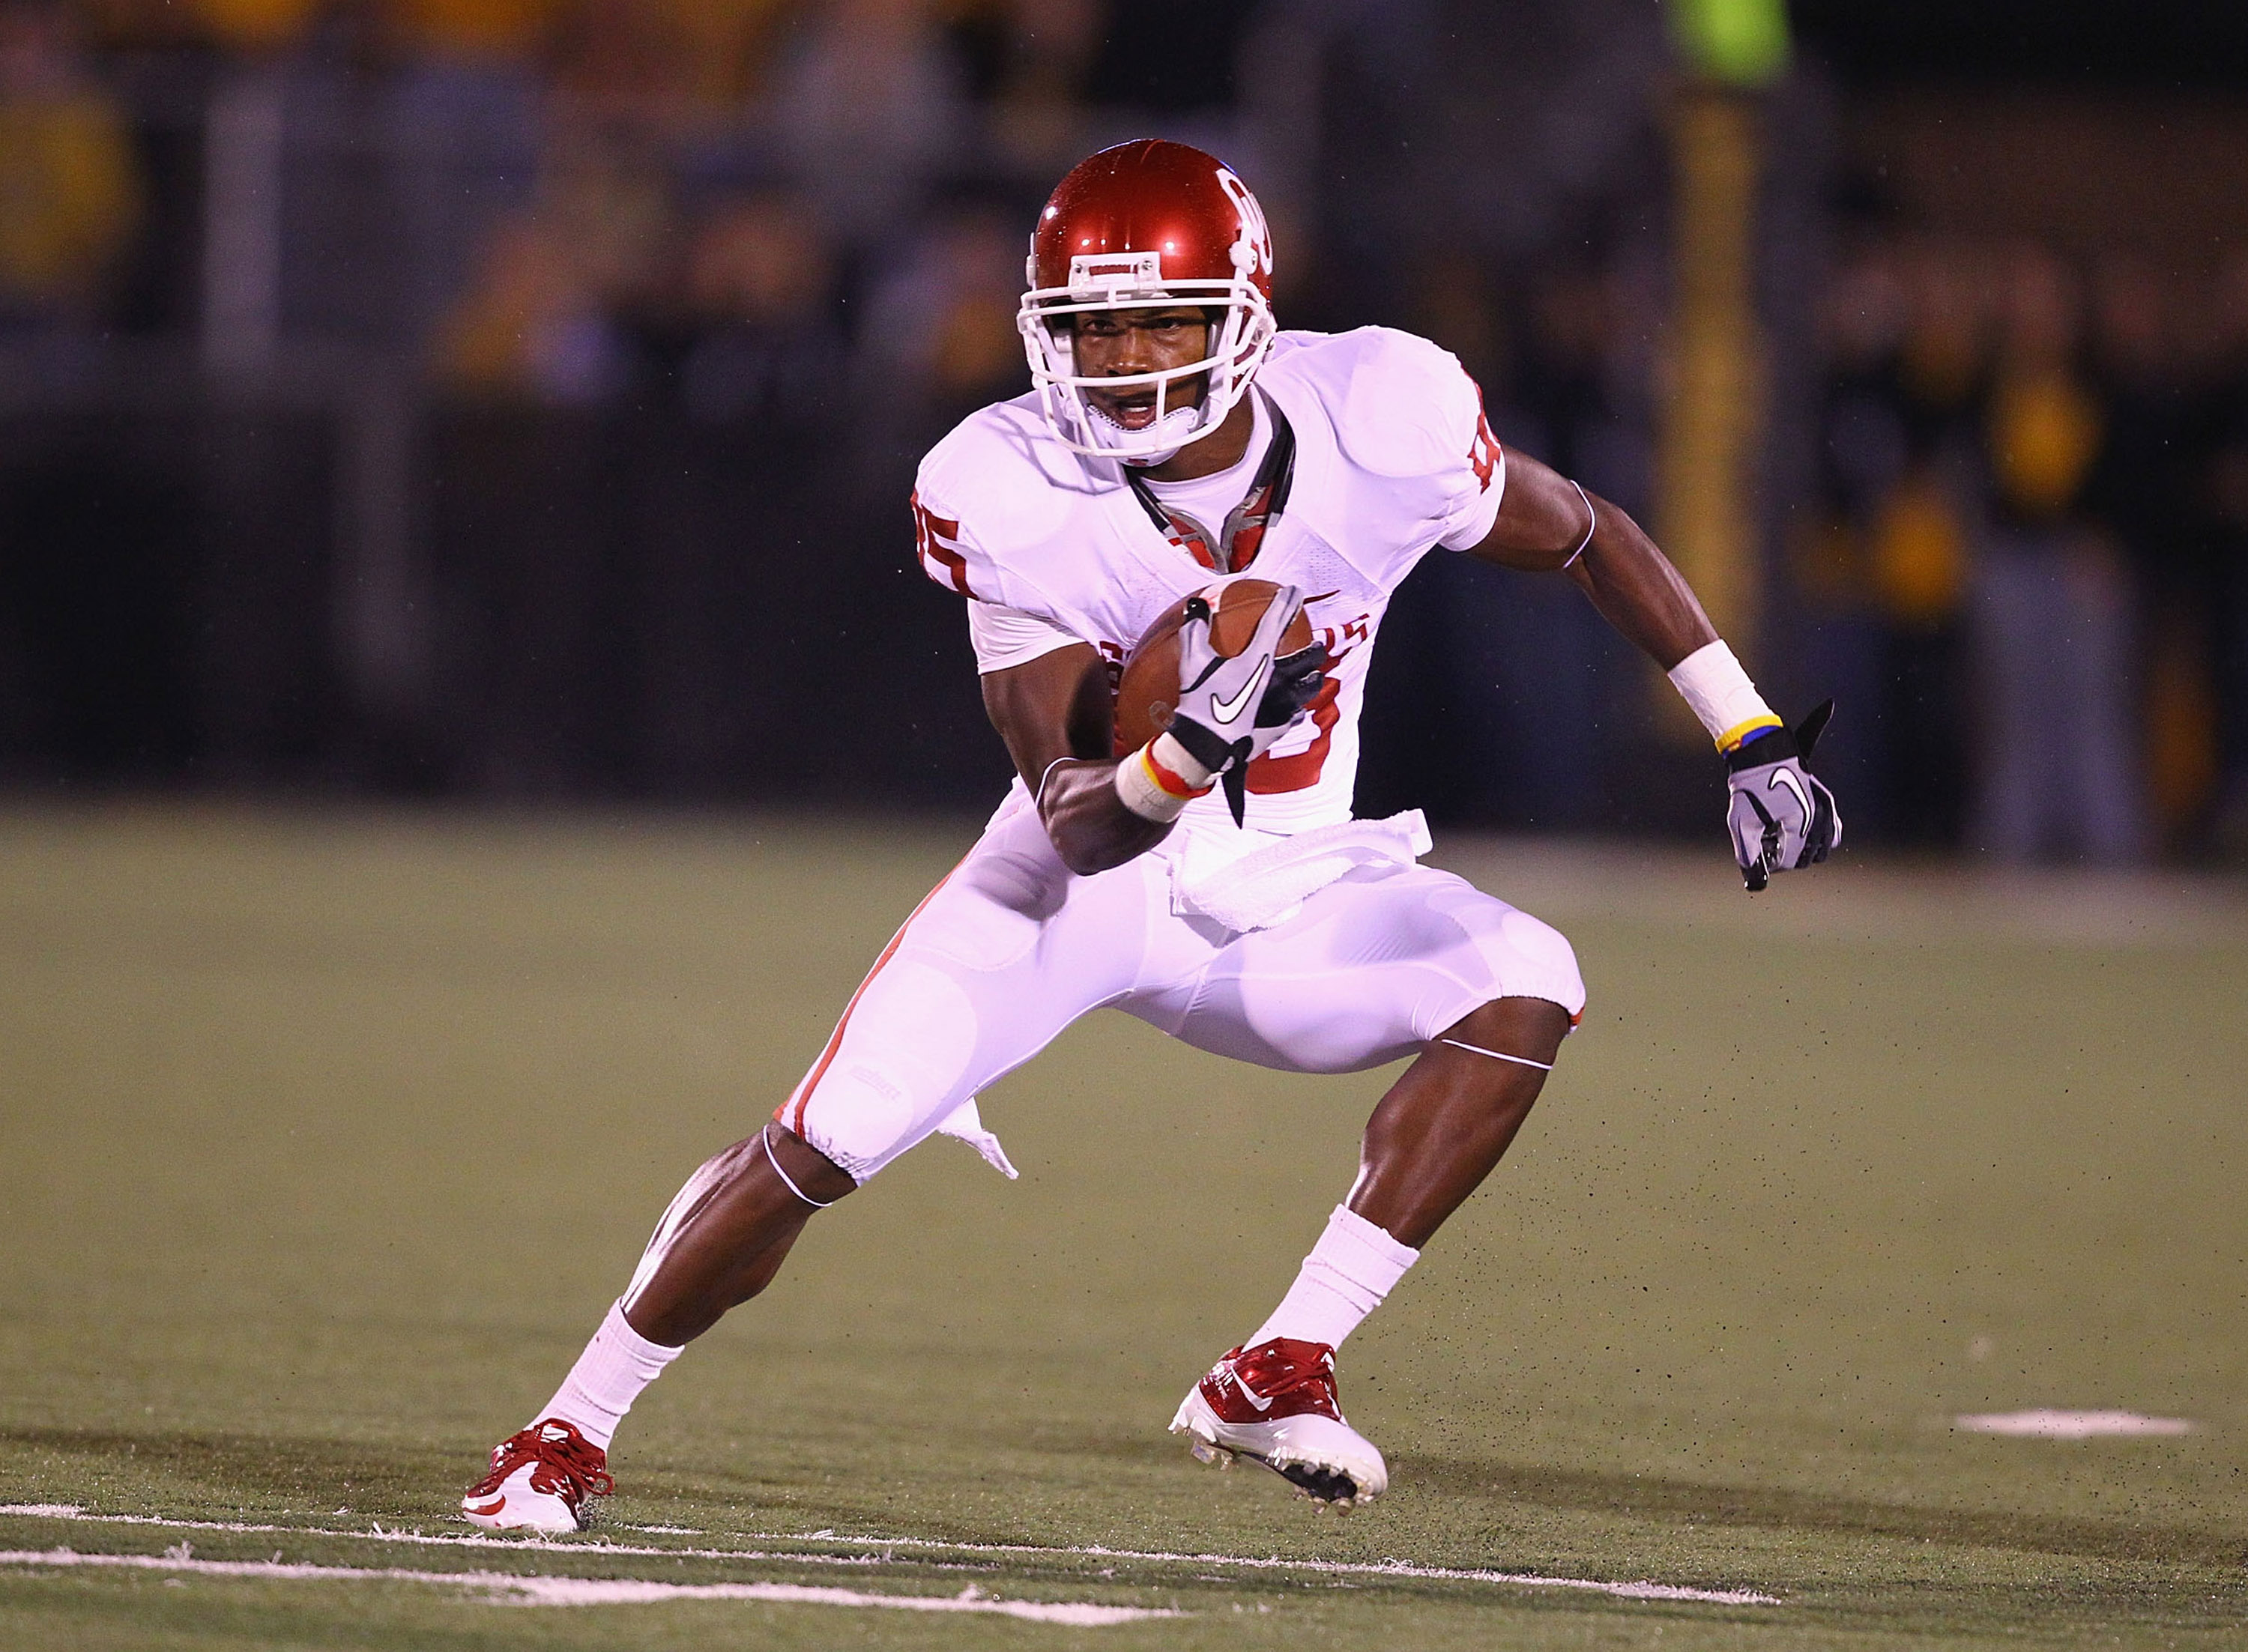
<point>2033,508</point>
<point>516,399</point>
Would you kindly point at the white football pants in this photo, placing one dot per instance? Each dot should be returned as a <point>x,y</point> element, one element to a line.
<point>1011,948</point>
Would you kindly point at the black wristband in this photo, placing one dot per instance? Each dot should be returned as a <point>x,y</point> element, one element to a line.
<point>1204,747</point>
<point>1768,745</point>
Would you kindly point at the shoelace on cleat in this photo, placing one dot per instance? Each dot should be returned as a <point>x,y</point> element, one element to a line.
<point>1284,1366</point>
<point>570,1468</point>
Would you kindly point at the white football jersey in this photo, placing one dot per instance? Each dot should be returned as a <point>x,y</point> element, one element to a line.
<point>1393,457</point>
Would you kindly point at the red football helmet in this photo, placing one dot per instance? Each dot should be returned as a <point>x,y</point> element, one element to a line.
<point>1144,225</point>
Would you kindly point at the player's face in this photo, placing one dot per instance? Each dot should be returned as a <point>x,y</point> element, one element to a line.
<point>1113,344</point>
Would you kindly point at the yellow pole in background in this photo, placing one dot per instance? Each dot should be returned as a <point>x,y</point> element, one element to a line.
<point>1713,421</point>
<point>1715,414</point>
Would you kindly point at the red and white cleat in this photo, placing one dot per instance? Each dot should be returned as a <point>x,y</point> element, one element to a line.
<point>541,1480</point>
<point>1276,1403</point>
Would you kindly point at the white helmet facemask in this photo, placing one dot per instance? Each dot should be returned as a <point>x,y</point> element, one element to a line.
<point>1239,340</point>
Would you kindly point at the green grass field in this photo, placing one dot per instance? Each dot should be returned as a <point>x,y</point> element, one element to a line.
<point>326,1141</point>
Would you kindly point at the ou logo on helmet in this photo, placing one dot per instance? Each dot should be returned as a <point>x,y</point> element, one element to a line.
<point>1252,252</point>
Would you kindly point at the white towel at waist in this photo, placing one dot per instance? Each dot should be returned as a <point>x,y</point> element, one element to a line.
<point>1269,883</point>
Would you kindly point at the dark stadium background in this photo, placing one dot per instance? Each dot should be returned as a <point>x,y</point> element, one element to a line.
<point>469,716</point>
<point>515,401</point>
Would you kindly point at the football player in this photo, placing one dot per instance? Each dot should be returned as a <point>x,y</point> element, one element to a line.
<point>1213,881</point>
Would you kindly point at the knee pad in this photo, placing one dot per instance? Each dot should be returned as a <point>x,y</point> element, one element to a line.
<point>1521,957</point>
<point>891,1075</point>
<point>1539,956</point>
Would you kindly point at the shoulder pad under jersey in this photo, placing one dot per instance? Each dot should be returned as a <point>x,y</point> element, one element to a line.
<point>990,496</point>
<point>1401,406</point>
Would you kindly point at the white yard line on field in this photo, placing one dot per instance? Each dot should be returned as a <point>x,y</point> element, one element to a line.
<point>2046,1424</point>
<point>504,1588</point>
<point>878,1551</point>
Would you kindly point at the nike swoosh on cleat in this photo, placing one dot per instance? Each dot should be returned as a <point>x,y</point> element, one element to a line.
<point>497,1504</point>
<point>1248,1392</point>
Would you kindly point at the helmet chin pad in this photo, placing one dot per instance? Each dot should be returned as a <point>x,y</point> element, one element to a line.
<point>1181,422</point>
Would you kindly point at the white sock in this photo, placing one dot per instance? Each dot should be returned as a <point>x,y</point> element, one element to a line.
<point>1349,1271</point>
<point>617,1364</point>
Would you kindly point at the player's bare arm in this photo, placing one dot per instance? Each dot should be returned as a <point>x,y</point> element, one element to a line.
<point>1053,713</point>
<point>1547,523</point>
<point>1780,816</point>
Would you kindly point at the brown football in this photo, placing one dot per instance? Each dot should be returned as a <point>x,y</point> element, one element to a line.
<point>1150,686</point>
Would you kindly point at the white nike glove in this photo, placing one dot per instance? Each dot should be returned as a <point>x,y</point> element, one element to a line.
<point>1231,710</point>
<point>1782,817</point>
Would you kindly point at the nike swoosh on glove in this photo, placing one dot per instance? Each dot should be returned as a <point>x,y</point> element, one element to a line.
<point>1782,816</point>
<point>1227,704</point>
<point>1296,681</point>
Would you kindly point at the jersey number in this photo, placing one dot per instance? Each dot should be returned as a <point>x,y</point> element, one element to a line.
<point>1299,770</point>
<point>1483,452</point>
<point>936,541</point>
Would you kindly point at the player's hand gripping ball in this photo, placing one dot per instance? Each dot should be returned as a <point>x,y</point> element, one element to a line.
<point>1781,815</point>
<point>1225,673</point>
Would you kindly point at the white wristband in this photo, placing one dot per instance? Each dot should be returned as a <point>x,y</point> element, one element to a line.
<point>1139,779</point>
<point>1721,694</point>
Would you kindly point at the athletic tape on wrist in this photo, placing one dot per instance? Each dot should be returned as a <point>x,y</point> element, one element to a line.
<point>1157,784</point>
<point>1178,770</point>
<point>1719,692</point>
<point>1139,790</point>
